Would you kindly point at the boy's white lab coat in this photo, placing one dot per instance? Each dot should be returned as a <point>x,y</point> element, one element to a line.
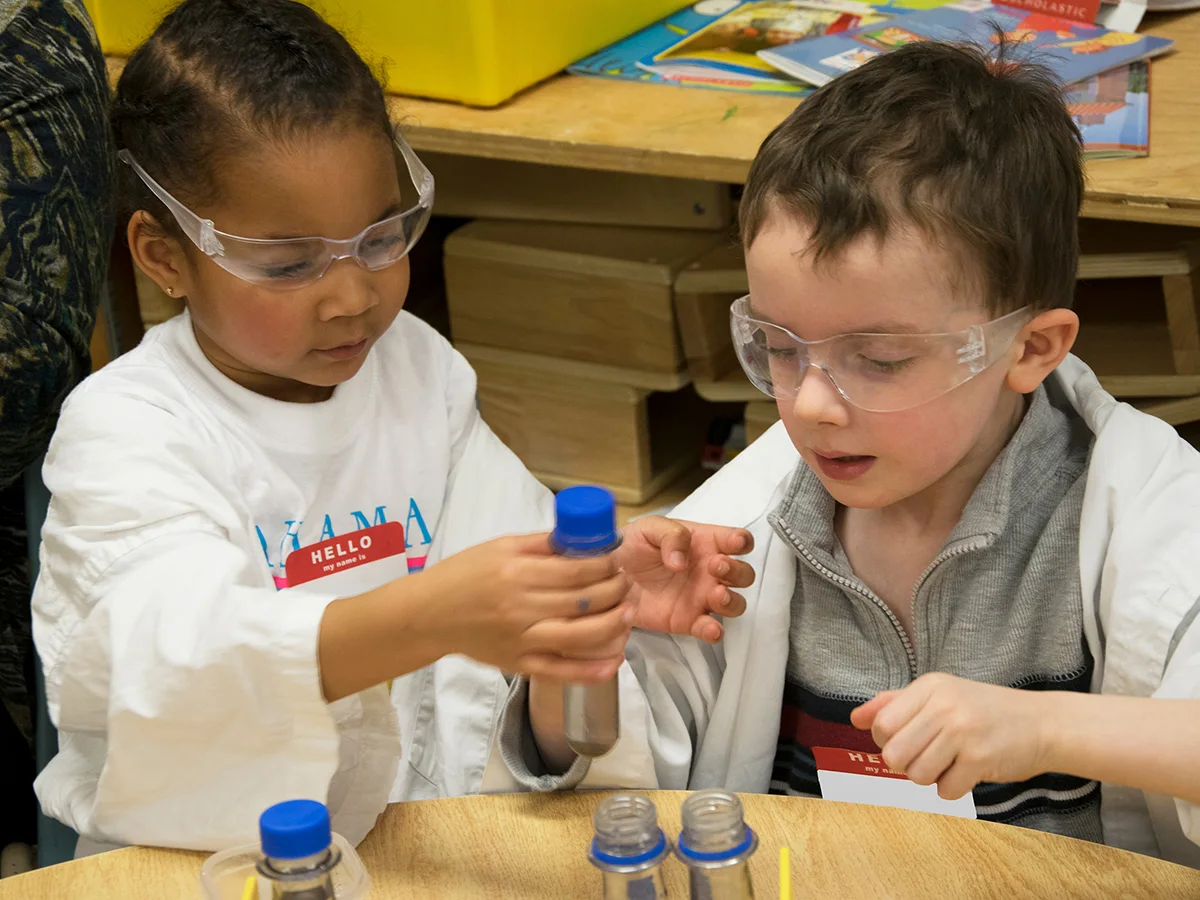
<point>698,716</point>
<point>185,686</point>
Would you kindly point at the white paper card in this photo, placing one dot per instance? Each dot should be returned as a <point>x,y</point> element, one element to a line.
<point>852,776</point>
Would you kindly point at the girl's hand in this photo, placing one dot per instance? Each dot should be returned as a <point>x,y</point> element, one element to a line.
<point>682,573</point>
<point>956,733</point>
<point>514,604</point>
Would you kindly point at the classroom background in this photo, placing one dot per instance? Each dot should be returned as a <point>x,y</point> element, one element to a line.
<point>583,257</point>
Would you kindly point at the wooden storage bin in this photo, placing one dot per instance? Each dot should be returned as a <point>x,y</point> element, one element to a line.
<point>571,423</point>
<point>473,187</point>
<point>581,292</point>
<point>704,291</point>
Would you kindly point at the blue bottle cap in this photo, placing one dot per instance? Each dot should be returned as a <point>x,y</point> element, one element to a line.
<point>294,829</point>
<point>585,520</point>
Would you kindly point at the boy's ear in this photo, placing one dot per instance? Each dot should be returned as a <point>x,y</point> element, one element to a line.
<point>158,254</point>
<point>1040,347</point>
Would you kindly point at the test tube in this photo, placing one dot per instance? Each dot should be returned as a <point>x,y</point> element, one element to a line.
<point>586,525</point>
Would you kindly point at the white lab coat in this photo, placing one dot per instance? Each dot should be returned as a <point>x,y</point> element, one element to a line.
<point>697,716</point>
<point>183,683</point>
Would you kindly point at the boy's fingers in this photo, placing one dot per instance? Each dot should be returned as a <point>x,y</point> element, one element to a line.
<point>672,538</point>
<point>735,541</point>
<point>899,712</point>
<point>912,742</point>
<point>863,717</point>
<point>707,629</point>
<point>728,603</point>
<point>957,781</point>
<point>731,572</point>
<point>929,765</point>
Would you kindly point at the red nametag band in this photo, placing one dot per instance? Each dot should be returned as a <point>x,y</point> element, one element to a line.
<point>855,762</point>
<point>337,554</point>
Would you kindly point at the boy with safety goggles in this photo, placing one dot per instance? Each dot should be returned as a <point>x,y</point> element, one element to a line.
<point>970,557</point>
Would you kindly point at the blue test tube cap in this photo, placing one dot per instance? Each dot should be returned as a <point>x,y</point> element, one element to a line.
<point>585,520</point>
<point>294,829</point>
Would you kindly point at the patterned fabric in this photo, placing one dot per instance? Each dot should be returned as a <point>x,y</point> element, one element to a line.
<point>56,227</point>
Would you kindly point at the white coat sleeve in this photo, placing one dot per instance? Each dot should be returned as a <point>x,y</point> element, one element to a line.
<point>166,654</point>
<point>668,687</point>
<point>671,687</point>
<point>1181,681</point>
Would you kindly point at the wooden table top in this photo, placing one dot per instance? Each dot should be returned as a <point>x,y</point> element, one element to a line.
<point>529,846</point>
<point>713,135</point>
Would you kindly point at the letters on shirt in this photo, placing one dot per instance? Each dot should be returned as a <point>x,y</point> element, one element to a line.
<point>277,552</point>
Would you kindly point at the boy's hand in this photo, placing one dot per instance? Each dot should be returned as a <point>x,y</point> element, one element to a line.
<point>514,604</point>
<point>682,574</point>
<point>956,733</point>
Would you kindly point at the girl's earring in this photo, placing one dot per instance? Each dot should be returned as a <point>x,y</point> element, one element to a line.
<point>170,292</point>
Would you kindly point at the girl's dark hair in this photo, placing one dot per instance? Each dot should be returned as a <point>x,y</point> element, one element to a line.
<point>219,75</point>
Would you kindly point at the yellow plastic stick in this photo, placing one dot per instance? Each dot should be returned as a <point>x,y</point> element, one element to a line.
<point>785,874</point>
<point>250,888</point>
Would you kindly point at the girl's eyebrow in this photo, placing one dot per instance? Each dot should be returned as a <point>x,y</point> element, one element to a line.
<point>396,206</point>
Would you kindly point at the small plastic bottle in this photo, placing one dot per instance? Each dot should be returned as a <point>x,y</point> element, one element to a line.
<point>298,852</point>
<point>716,844</point>
<point>586,525</point>
<point>296,857</point>
<point>629,848</point>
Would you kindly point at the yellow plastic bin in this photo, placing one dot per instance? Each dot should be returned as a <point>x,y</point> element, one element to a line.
<point>475,51</point>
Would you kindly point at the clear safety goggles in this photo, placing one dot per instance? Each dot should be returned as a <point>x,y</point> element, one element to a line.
<point>290,263</point>
<point>875,372</point>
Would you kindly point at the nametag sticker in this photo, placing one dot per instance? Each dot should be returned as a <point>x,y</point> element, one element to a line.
<point>356,548</point>
<point>852,776</point>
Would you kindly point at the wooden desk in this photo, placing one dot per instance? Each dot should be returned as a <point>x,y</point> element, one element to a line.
<point>713,135</point>
<point>527,847</point>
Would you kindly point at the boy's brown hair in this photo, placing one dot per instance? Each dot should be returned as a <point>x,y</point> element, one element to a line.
<point>975,150</point>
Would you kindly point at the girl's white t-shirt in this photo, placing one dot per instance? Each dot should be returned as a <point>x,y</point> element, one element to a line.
<point>181,655</point>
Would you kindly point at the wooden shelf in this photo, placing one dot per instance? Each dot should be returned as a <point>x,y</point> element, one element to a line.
<point>557,366</point>
<point>731,388</point>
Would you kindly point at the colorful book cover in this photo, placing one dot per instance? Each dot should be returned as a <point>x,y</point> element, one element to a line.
<point>731,42</point>
<point>1112,110</point>
<point>627,59</point>
<point>1075,10</point>
<point>1074,51</point>
<point>665,52</point>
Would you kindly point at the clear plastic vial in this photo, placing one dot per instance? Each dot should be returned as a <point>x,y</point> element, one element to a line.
<point>716,844</point>
<point>629,848</point>
<point>586,525</point>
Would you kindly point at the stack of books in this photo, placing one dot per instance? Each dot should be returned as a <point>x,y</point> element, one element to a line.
<point>790,47</point>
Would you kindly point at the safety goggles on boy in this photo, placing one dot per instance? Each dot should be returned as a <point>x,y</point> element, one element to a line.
<point>875,372</point>
<point>289,263</point>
